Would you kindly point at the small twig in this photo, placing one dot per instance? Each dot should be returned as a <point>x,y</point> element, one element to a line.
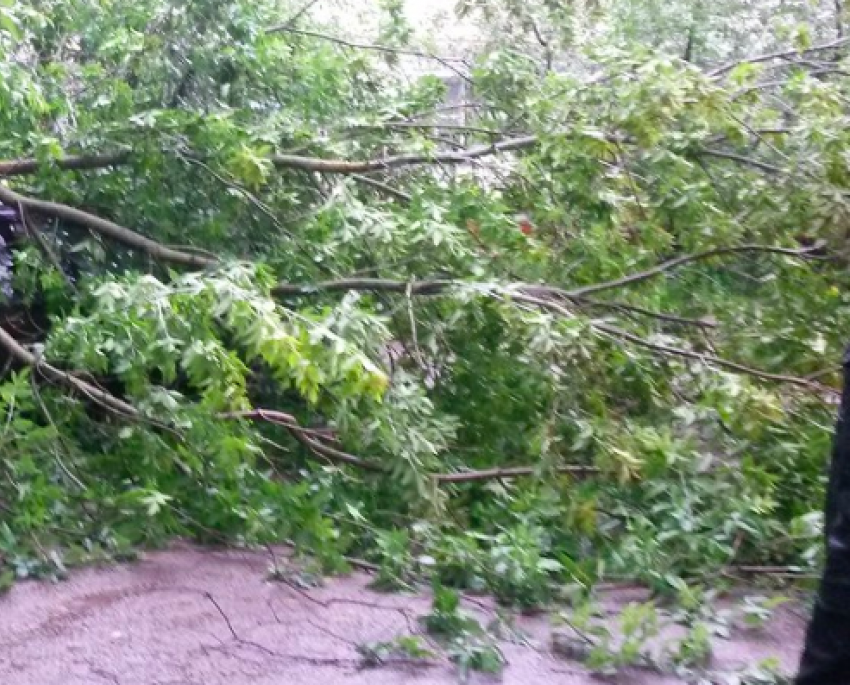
<point>362,564</point>
<point>60,438</point>
<point>775,571</point>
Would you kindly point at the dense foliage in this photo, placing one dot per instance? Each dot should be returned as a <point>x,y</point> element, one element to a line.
<point>266,288</point>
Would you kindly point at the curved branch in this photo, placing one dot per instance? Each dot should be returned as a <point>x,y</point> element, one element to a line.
<point>303,436</point>
<point>106,228</point>
<point>643,311</point>
<point>384,188</point>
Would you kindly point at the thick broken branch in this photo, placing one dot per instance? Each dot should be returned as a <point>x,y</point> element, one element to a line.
<point>105,228</point>
<point>29,165</point>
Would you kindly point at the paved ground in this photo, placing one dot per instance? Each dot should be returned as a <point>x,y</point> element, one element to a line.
<point>192,617</point>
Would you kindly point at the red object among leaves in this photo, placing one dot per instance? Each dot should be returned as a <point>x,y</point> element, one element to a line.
<point>525,227</point>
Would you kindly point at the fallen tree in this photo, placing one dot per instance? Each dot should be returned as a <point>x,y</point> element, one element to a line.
<point>640,357</point>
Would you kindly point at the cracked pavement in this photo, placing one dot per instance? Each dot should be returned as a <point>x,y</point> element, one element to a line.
<point>188,616</point>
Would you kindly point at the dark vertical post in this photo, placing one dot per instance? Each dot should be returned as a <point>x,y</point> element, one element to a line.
<point>826,658</point>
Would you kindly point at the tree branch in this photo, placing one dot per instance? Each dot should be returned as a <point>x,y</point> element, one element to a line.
<point>713,360</point>
<point>436,287</point>
<point>671,351</point>
<point>303,436</point>
<point>510,472</point>
<point>749,161</point>
<point>779,55</point>
<point>23,356</point>
<point>642,311</point>
<point>300,13</point>
<point>18,167</point>
<point>339,166</point>
<point>447,62</point>
<point>687,259</point>
<point>29,165</point>
<point>106,228</point>
<point>383,187</point>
